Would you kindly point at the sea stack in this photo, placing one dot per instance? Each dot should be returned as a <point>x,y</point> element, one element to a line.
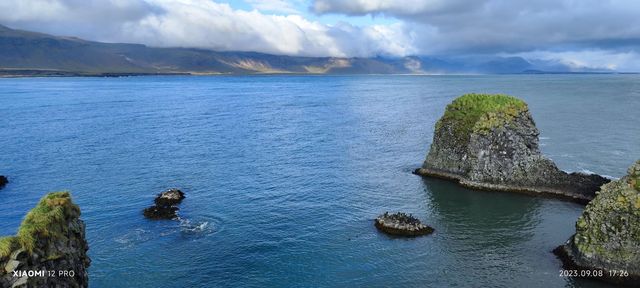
<point>490,142</point>
<point>165,205</point>
<point>607,235</point>
<point>50,249</point>
<point>401,224</point>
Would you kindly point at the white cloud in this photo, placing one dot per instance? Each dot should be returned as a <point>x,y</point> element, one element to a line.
<point>278,6</point>
<point>599,59</point>
<point>506,26</point>
<point>202,24</point>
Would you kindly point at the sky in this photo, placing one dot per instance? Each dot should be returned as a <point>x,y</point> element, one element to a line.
<point>601,34</point>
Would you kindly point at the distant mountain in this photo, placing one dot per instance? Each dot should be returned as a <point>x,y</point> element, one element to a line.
<point>25,53</point>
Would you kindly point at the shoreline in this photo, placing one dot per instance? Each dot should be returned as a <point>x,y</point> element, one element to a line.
<point>52,73</point>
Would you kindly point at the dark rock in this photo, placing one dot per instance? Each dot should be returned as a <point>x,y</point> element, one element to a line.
<point>161,212</point>
<point>165,203</point>
<point>3,181</point>
<point>608,233</point>
<point>491,142</point>
<point>401,224</point>
<point>169,197</point>
<point>47,241</point>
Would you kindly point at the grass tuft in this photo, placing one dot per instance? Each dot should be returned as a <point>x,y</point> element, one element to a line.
<point>48,219</point>
<point>7,245</point>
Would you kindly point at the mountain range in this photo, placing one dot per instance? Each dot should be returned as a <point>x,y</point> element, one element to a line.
<point>26,53</point>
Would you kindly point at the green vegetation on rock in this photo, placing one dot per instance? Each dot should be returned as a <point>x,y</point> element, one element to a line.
<point>8,244</point>
<point>609,228</point>
<point>479,113</point>
<point>48,219</point>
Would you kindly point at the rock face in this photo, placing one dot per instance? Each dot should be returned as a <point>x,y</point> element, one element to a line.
<point>608,233</point>
<point>401,224</point>
<point>165,205</point>
<point>491,142</point>
<point>50,249</point>
<point>3,181</point>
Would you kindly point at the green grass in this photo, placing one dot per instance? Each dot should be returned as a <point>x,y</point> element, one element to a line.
<point>48,219</point>
<point>7,245</point>
<point>479,113</point>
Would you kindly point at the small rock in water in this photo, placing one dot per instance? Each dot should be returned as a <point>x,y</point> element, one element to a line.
<point>165,205</point>
<point>170,197</point>
<point>401,224</point>
<point>3,181</point>
<point>161,212</point>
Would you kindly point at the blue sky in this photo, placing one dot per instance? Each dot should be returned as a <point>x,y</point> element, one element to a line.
<point>579,34</point>
<point>304,8</point>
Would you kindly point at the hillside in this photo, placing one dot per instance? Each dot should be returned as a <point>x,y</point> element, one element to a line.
<point>25,53</point>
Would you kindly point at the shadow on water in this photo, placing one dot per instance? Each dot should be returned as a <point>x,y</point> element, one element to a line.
<point>480,211</point>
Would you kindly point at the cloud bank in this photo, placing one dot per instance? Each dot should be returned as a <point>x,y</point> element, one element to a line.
<point>589,33</point>
<point>204,24</point>
<point>582,30</point>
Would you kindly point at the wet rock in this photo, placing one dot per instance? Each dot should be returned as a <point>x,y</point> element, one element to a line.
<point>491,142</point>
<point>161,212</point>
<point>401,224</point>
<point>165,205</point>
<point>607,234</point>
<point>169,197</point>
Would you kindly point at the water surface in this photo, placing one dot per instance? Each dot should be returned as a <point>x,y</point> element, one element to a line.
<point>285,174</point>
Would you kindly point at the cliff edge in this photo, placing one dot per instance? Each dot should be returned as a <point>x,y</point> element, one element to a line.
<point>49,250</point>
<point>607,235</point>
<point>491,142</point>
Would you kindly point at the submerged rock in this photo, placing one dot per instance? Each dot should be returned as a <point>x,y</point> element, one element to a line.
<point>161,212</point>
<point>50,239</point>
<point>165,205</point>
<point>491,142</point>
<point>607,235</point>
<point>401,224</point>
<point>3,181</point>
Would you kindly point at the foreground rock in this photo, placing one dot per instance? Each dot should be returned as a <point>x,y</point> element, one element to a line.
<point>401,224</point>
<point>3,181</point>
<point>607,235</point>
<point>165,205</point>
<point>52,239</point>
<point>491,142</point>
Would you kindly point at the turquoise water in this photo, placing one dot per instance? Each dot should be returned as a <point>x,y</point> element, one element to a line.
<point>285,174</point>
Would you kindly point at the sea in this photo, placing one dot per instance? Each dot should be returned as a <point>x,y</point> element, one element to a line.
<point>285,174</point>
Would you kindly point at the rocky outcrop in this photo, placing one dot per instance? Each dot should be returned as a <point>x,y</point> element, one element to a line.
<point>50,249</point>
<point>401,224</point>
<point>607,235</point>
<point>165,205</point>
<point>3,181</point>
<point>491,142</point>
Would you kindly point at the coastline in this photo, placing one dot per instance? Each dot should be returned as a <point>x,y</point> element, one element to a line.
<point>544,192</point>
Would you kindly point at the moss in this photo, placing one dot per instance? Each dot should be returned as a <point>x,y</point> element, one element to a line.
<point>479,113</point>
<point>48,219</point>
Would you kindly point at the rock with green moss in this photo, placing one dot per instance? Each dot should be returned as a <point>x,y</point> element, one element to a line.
<point>608,233</point>
<point>491,142</point>
<point>51,238</point>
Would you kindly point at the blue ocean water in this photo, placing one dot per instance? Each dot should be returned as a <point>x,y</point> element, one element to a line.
<point>285,174</point>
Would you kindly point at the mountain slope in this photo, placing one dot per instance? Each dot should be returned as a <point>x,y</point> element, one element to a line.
<point>29,53</point>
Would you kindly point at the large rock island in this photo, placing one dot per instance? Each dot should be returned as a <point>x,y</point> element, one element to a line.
<point>50,249</point>
<point>491,142</point>
<point>607,238</point>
